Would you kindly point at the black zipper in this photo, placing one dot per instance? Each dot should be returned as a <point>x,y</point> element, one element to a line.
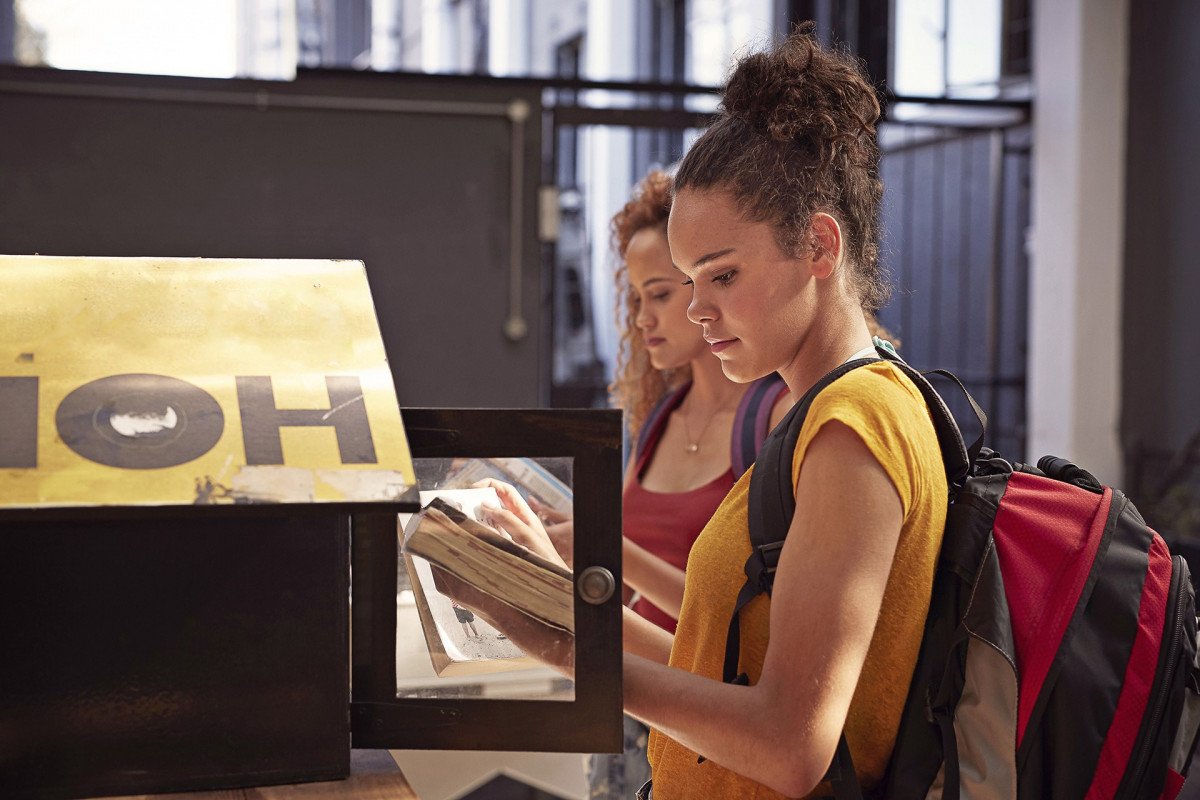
<point>1160,702</point>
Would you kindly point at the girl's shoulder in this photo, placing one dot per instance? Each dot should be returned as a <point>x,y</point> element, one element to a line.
<point>885,409</point>
<point>879,385</point>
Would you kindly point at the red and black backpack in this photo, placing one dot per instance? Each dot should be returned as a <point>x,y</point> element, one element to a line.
<point>1059,653</point>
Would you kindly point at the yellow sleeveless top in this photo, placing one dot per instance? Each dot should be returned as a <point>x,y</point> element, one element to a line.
<point>888,413</point>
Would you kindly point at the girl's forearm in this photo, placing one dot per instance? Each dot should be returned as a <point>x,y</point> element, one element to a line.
<point>739,727</point>
<point>644,638</point>
<point>656,580</point>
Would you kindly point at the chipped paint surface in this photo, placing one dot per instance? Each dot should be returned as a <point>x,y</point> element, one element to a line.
<point>132,425</point>
<point>376,484</point>
<point>273,485</point>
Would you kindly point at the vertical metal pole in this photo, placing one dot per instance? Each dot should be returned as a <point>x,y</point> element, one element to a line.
<point>1021,264</point>
<point>938,255</point>
<point>996,281</point>
<point>945,47</point>
<point>8,32</point>
<point>907,261</point>
<point>966,265</point>
<point>549,252</point>
<point>515,326</point>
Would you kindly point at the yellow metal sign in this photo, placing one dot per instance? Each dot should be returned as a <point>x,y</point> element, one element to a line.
<point>140,382</point>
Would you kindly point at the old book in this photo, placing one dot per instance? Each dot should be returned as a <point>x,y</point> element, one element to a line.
<point>453,649</point>
<point>493,564</point>
<point>442,546</point>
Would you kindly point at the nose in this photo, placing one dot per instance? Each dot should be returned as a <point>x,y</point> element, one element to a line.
<point>643,319</point>
<point>700,310</point>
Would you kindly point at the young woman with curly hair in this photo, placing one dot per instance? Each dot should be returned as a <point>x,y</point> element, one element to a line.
<point>681,468</point>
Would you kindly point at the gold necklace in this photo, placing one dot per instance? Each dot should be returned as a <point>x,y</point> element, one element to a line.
<point>693,445</point>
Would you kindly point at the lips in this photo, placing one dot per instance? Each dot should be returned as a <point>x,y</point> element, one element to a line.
<point>655,341</point>
<point>716,344</point>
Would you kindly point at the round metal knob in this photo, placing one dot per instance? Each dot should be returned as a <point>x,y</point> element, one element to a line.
<point>596,585</point>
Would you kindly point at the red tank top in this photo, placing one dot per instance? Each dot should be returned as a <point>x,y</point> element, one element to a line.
<point>666,523</point>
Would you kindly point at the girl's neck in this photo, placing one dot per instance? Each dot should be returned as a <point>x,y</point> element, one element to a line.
<point>711,390</point>
<point>839,334</point>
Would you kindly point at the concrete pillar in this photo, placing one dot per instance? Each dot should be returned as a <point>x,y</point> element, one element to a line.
<point>1077,244</point>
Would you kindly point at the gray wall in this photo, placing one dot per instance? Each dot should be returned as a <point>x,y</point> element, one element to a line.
<point>1161,372</point>
<point>957,261</point>
<point>195,168</point>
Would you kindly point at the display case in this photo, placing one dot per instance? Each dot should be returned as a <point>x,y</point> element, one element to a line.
<point>196,458</point>
<point>398,701</point>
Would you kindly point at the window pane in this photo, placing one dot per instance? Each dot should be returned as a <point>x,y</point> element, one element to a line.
<point>919,66</point>
<point>162,37</point>
<point>973,47</point>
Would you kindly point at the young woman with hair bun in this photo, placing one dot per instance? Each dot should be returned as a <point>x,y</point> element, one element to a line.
<point>775,225</point>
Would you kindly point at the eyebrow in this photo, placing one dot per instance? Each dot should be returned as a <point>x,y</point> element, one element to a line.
<point>649,281</point>
<point>712,257</point>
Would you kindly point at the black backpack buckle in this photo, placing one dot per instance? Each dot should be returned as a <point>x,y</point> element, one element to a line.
<point>769,556</point>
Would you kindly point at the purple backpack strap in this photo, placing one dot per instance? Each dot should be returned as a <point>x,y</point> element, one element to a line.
<point>653,427</point>
<point>753,421</point>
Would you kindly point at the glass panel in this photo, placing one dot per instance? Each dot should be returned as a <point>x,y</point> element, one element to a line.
<point>202,38</point>
<point>973,48</point>
<point>474,606</point>
<point>920,38</point>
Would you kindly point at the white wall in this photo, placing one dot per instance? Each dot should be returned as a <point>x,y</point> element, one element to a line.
<point>1076,263</point>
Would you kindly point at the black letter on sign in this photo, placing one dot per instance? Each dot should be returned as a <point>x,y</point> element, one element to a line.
<point>19,425</point>
<point>140,421</point>
<point>346,414</point>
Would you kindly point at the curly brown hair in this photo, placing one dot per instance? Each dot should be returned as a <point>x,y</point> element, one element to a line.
<point>795,135</point>
<point>637,385</point>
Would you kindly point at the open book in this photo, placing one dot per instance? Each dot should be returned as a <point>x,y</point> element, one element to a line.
<point>444,545</point>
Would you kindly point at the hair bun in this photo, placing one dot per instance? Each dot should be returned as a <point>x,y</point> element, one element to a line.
<point>789,95</point>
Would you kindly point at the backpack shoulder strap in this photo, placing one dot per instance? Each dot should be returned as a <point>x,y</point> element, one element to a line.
<point>654,425</point>
<point>956,454</point>
<point>753,421</point>
<point>772,502</point>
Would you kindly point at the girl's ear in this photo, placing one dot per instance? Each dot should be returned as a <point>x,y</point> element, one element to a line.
<point>826,237</point>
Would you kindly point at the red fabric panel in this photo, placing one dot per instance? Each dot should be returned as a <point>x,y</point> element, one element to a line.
<point>666,524</point>
<point>1173,786</point>
<point>1139,675</point>
<point>1046,535</point>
